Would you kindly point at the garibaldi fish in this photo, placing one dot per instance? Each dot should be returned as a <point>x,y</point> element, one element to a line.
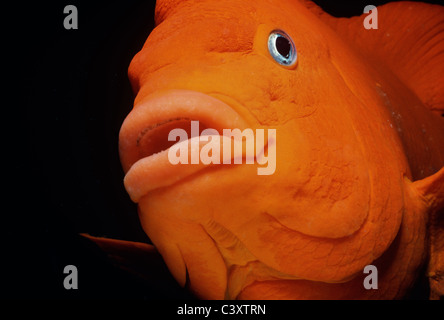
<point>359,148</point>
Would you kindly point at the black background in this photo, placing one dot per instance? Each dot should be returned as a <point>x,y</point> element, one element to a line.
<point>68,94</point>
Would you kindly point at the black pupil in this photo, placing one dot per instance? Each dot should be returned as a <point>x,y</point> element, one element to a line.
<point>283,46</point>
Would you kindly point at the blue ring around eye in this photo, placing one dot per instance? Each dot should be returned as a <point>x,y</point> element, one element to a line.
<point>287,60</point>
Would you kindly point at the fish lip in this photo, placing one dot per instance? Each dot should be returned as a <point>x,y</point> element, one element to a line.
<point>162,107</point>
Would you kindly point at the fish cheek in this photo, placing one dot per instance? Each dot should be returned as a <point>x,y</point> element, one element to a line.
<point>328,193</point>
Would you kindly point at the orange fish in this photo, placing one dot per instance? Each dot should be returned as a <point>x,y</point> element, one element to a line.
<point>359,148</point>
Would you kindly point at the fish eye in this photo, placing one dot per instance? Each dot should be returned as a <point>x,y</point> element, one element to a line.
<point>282,48</point>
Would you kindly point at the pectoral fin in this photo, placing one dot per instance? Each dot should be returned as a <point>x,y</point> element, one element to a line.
<point>431,190</point>
<point>140,259</point>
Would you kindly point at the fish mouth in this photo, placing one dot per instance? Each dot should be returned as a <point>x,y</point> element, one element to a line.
<point>143,139</point>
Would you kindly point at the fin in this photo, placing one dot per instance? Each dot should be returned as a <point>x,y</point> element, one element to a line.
<point>409,40</point>
<point>140,259</point>
<point>435,271</point>
<point>431,190</point>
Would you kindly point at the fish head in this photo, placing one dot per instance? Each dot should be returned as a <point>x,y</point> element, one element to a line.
<point>259,65</point>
